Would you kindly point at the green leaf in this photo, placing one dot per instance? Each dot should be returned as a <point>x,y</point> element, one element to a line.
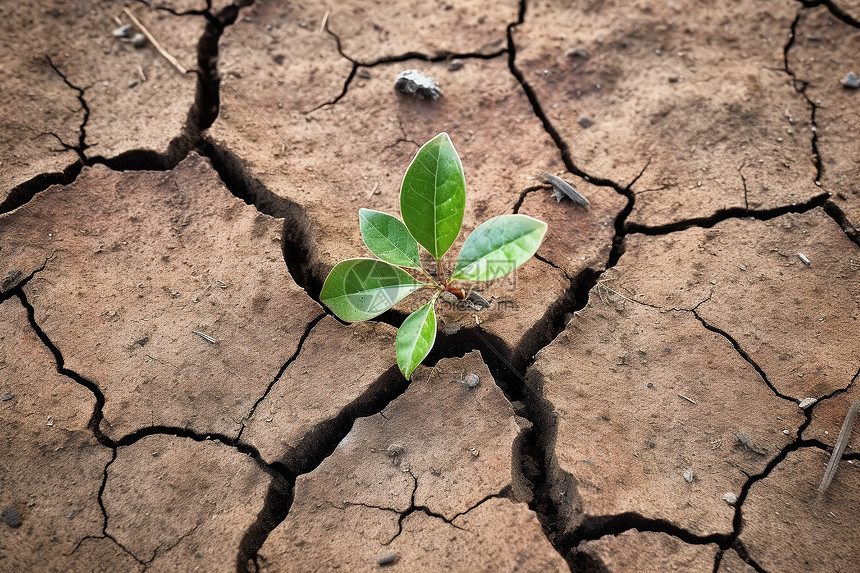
<point>433,195</point>
<point>359,289</point>
<point>415,338</point>
<point>498,246</point>
<point>388,238</point>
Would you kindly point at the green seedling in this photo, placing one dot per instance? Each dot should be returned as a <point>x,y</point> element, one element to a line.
<point>432,203</point>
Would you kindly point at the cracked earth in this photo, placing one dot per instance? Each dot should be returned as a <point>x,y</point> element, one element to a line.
<point>659,389</point>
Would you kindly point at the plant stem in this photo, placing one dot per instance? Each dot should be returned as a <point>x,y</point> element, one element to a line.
<point>455,291</point>
<point>426,274</point>
<point>440,273</point>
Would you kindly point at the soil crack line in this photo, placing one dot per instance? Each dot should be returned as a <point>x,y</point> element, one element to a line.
<point>730,213</point>
<point>280,373</point>
<point>834,9</point>
<point>800,87</point>
<point>201,115</point>
<point>737,522</point>
<point>842,220</point>
<point>97,415</point>
<point>82,145</point>
<point>312,450</point>
<point>105,534</point>
<point>745,356</point>
<point>413,55</point>
<point>9,290</point>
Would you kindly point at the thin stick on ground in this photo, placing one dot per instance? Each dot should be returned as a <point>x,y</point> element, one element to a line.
<point>839,449</point>
<point>154,42</point>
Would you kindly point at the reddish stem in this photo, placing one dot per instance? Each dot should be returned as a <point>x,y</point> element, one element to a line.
<point>455,291</point>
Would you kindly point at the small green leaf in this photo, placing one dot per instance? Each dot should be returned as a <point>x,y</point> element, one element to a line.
<point>415,338</point>
<point>388,238</point>
<point>359,289</point>
<point>433,195</point>
<point>498,246</point>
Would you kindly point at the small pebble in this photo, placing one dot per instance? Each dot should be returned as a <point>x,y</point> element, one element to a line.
<point>673,80</point>
<point>395,450</point>
<point>688,476</point>
<point>806,403</point>
<point>786,432</point>
<point>138,40</point>
<point>585,122</point>
<point>11,516</point>
<point>471,380</point>
<point>455,65</point>
<point>7,397</point>
<point>387,558</point>
<point>578,53</point>
<point>132,84</point>
<point>364,74</point>
<point>730,498</point>
<point>651,444</point>
<point>850,81</point>
<point>122,31</point>
<point>413,82</point>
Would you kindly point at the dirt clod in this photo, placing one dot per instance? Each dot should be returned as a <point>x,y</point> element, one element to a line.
<point>11,517</point>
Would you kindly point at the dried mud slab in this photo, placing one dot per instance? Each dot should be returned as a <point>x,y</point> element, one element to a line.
<point>138,261</point>
<point>796,321</point>
<point>649,408</point>
<point>825,50</point>
<point>340,370</point>
<point>133,99</point>
<point>37,108</point>
<point>50,463</point>
<point>281,68</point>
<point>373,32</point>
<point>178,504</point>
<point>789,526</point>
<point>353,153</point>
<point>706,109</point>
<point>644,552</point>
<point>432,481</point>
<point>578,238</point>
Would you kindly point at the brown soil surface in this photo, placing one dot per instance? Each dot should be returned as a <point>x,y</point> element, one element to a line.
<point>659,389</point>
<point>649,551</point>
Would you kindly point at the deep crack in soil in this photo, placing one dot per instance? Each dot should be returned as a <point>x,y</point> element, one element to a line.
<point>508,366</point>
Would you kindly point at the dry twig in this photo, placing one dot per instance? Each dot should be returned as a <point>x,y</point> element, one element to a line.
<point>154,42</point>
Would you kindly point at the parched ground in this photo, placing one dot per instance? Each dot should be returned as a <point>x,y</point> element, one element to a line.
<point>659,389</point>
